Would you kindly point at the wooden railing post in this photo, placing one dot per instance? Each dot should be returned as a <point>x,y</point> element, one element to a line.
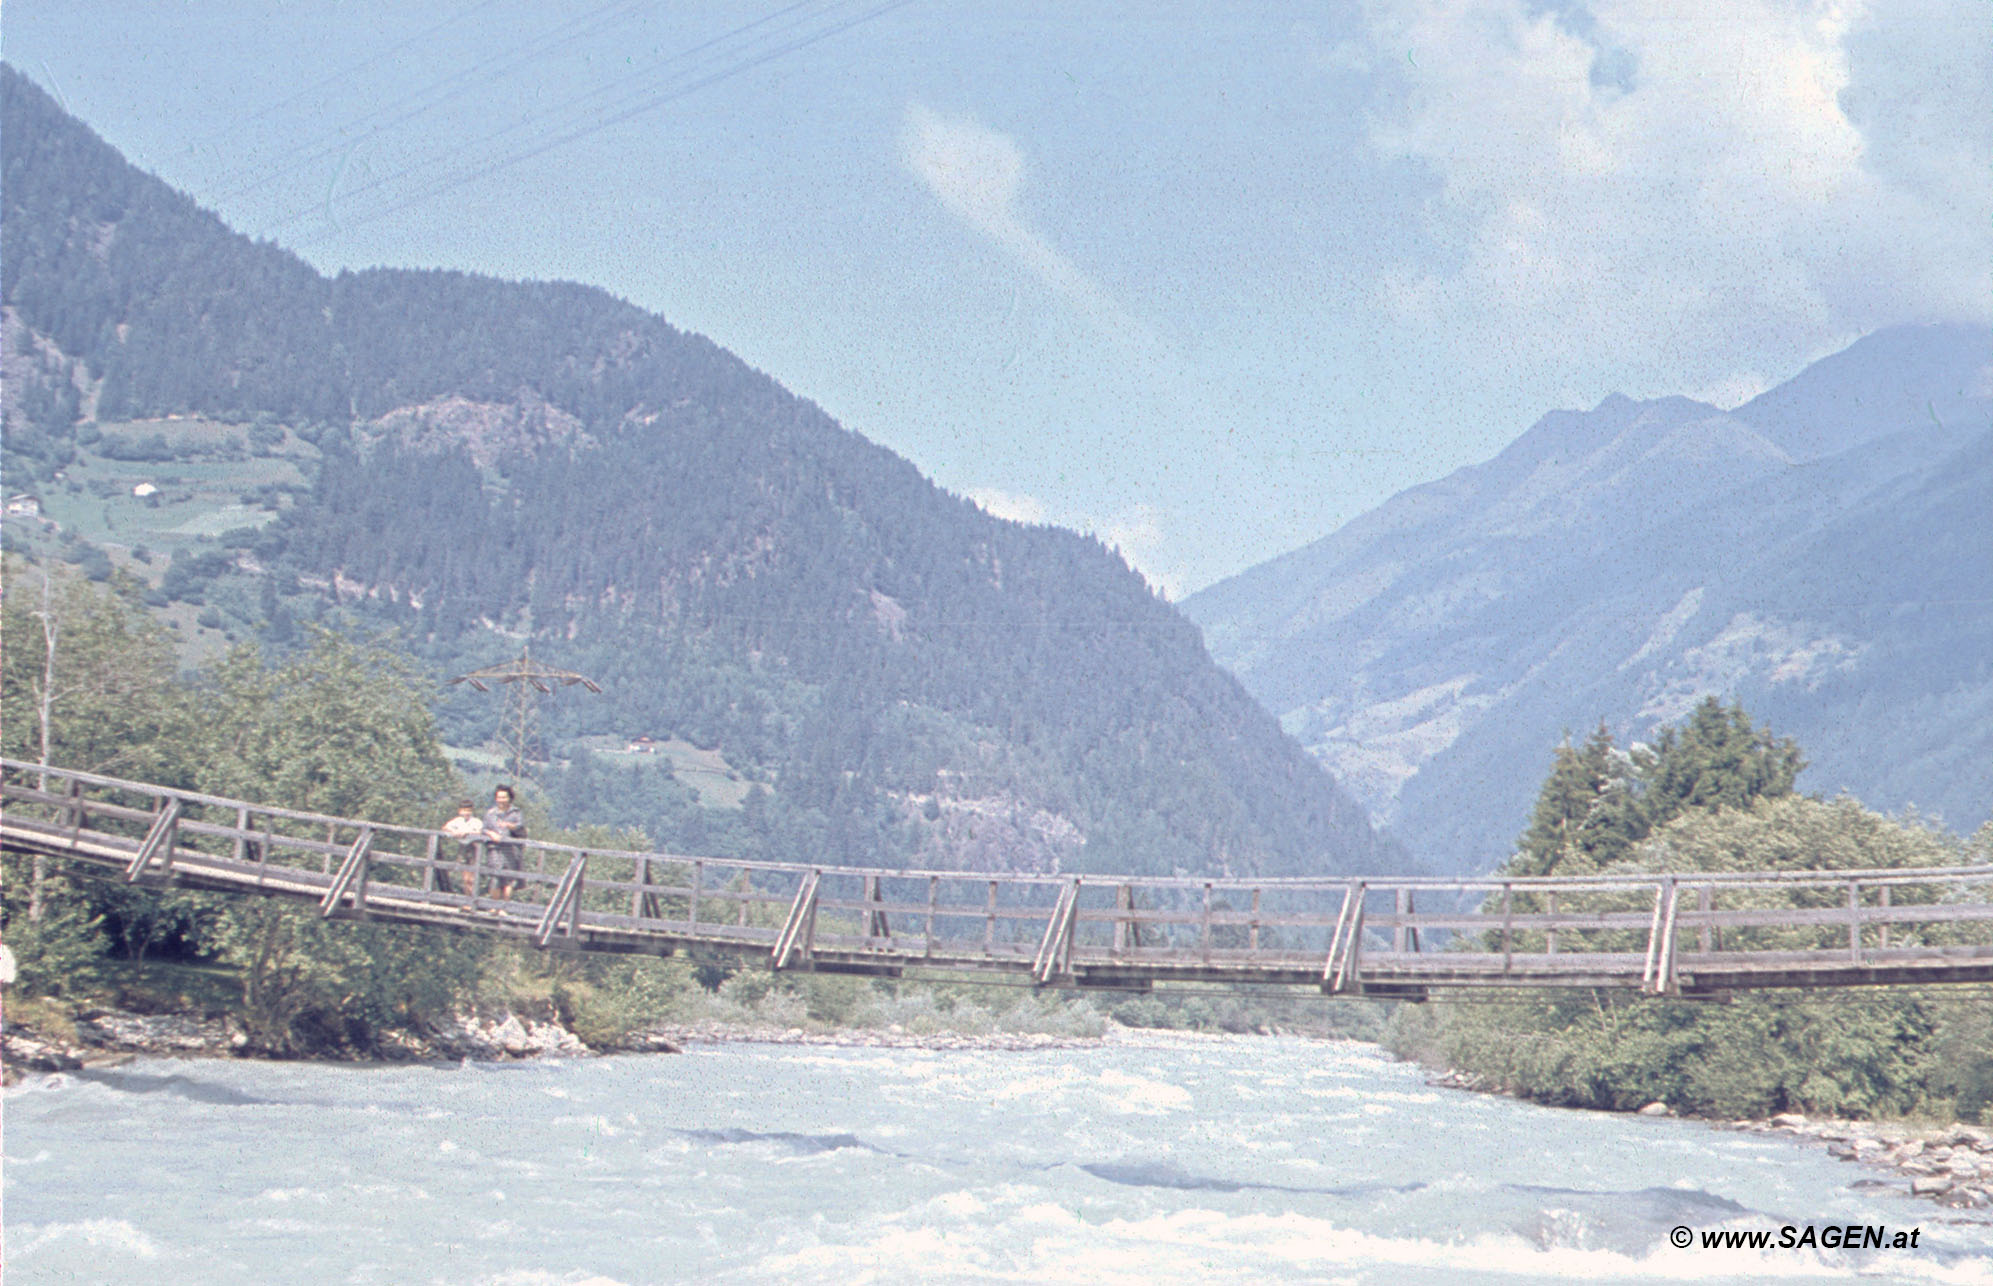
<point>352,875</point>
<point>73,816</point>
<point>1055,952</point>
<point>158,840</point>
<point>876,923</point>
<point>239,851</point>
<point>566,900</point>
<point>1665,982</point>
<point>1658,974</point>
<point>799,930</point>
<point>1508,926</point>
<point>1345,941</point>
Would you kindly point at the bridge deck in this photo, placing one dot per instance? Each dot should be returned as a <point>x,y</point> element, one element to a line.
<point>1681,933</point>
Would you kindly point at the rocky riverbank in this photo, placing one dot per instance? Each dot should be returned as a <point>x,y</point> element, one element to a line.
<point>1949,1164</point>
<point>105,1037</point>
<point>892,1037</point>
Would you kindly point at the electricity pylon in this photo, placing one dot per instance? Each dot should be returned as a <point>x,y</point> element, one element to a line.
<point>529,681</point>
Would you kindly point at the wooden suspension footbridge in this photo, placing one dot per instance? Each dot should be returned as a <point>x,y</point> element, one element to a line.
<point>1682,933</point>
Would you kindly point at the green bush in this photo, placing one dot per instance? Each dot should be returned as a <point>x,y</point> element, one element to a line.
<point>1142,1011</point>
<point>60,954</point>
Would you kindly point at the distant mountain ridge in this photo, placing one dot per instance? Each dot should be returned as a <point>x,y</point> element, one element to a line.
<point>1820,553</point>
<point>897,676</point>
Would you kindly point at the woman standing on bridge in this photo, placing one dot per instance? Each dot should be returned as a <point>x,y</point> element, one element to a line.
<point>504,822</point>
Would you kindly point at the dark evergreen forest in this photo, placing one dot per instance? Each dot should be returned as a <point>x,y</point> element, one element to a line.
<point>505,462</point>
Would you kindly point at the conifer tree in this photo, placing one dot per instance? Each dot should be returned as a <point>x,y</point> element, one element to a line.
<point>1597,803</point>
<point>1584,818</point>
<point>1714,759</point>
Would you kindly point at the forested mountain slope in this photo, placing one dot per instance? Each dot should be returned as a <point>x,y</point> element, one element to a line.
<point>896,675</point>
<point>1820,554</point>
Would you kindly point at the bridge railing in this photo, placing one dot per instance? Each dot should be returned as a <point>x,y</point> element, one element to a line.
<point>1652,928</point>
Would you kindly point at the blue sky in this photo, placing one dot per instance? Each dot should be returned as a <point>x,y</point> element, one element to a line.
<point>1207,280</point>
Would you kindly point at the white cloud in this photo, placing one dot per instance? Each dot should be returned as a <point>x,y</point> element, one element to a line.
<point>978,174</point>
<point>1732,391</point>
<point>1136,533</point>
<point>1681,190</point>
<point>1007,504</point>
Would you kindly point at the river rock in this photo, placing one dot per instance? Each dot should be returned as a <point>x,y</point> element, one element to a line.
<point>24,1053</point>
<point>153,1033</point>
<point>1656,1109</point>
<point>1789,1121</point>
<point>1930,1185</point>
<point>466,1036</point>
<point>524,1040</point>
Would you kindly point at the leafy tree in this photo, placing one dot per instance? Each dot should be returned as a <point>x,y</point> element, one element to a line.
<point>86,681</point>
<point>87,677</point>
<point>342,729</point>
<point>1715,794</point>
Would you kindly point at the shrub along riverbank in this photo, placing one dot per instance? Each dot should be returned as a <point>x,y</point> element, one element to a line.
<point>1716,794</point>
<point>527,1006</point>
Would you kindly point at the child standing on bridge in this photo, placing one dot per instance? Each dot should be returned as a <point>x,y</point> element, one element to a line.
<point>467,830</point>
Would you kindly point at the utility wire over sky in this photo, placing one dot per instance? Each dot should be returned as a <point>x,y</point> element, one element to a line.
<point>434,173</point>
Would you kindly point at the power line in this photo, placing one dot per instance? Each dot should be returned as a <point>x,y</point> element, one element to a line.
<point>351,68</point>
<point>750,53</point>
<point>341,138</point>
<point>565,108</point>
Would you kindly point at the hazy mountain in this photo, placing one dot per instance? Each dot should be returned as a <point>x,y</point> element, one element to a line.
<point>1821,553</point>
<point>888,673</point>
